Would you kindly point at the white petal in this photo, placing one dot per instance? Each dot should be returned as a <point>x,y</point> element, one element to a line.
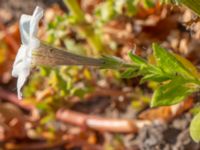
<point>21,80</point>
<point>29,25</point>
<point>19,60</point>
<point>28,30</point>
<point>25,28</point>
<point>34,23</point>
<point>37,15</point>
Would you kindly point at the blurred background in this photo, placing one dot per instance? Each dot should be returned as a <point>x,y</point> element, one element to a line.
<point>84,108</point>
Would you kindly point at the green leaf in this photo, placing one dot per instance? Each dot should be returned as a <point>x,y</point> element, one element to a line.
<point>148,3</point>
<point>195,128</point>
<point>50,117</point>
<point>136,59</point>
<point>130,8</point>
<point>42,106</point>
<point>154,74</point>
<point>80,92</point>
<point>194,5</point>
<point>44,71</point>
<point>171,93</point>
<point>195,110</point>
<point>193,70</point>
<point>149,72</point>
<point>129,73</point>
<point>169,63</point>
<point>106,11</point>
<point>154,77</point>
<point>176,2</point>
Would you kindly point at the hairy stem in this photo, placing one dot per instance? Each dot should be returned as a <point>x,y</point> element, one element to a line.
<point>51,56</point>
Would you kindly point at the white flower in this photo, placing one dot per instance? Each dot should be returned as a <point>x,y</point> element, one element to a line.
<point>28,31</point>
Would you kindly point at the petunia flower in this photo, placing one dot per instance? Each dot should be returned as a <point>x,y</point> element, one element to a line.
<point>28,31</point>
<point>33,52</point>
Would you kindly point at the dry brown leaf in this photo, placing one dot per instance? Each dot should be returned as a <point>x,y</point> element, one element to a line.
<point>167,113</point>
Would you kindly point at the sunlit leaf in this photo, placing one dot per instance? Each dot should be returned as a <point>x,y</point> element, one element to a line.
<point>148,3</point>
<point>171,93</point>
<point>106,10</point>
<point>169,63</point>
<point>195,128</point>
<point>131,8</point>
<point>47,119</point>
<point>154,77</point>
<point>194,5</point>
<point>188,65</point>
<point>137,60</point>
<point>129,73</point>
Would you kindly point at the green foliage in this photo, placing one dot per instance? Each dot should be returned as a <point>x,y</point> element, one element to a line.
<point>176,90</point>
<point>75,10</point>
<point>195,110</point>
<point>176,81</point>
<point>169,63</point>
<point>171,93</point>
<point>140,99</point>
<point>171,1</point>
<point>194,5</point>
<point>177,77</point>
<point>111,9</point>
<point>195,128</point>
<point>106,11</point>
<point>148,3</point>
<point>148,71</point>
<point>137,60</point>
<point>131,9</point>
<point>80,92</point>
<point>129,73</point>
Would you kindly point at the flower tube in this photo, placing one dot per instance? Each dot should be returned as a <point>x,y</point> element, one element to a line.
<point>33,52</point>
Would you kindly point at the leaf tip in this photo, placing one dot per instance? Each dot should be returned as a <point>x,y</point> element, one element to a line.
<point>155,46</point>
<point>131,53</point>
<point>195,128</point>
<point>153,105</point>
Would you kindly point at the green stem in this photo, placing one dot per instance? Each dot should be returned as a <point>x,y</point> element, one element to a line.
<point>75,9</point>
<point>84,28</point>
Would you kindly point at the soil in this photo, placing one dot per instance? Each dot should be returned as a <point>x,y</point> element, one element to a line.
<point>158,136</point>
<point>11,10</point>
<point>173,136</point>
